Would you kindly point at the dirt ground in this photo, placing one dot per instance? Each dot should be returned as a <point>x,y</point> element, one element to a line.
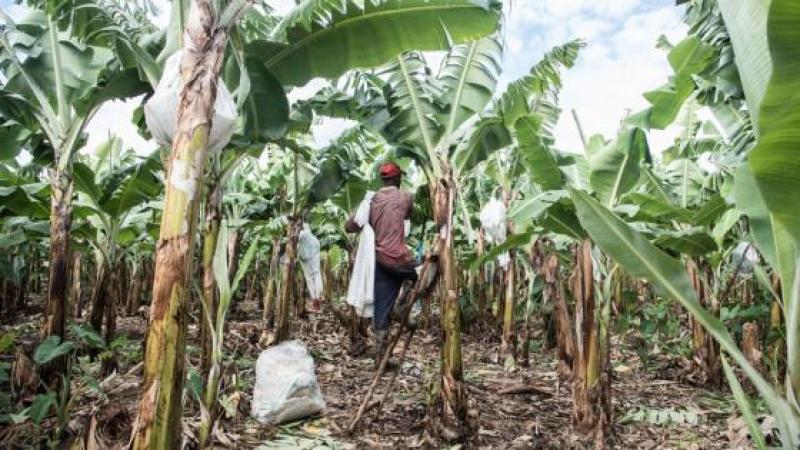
<point>519,407</point>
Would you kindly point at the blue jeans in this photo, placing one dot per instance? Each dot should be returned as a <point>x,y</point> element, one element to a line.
<point>388,281</point>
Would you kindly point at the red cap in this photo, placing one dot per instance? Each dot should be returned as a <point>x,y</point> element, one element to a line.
<point>390,170</point>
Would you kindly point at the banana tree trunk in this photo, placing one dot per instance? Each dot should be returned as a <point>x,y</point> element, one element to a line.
<point>480,288</point>
<point>250,292</point>
<point>269,292</point>
<point>451,411</point>
<point>509,339</point>
<point>299,295</point>
<point>705,348</point>
<point>160,405</point>
<point>777,348</point>
<point>591,414</point>
<point>112,294</point>
<point>135,295</point>
<point>76,292</point>
<point>60,222</point>
<point>327,269</point>
<point>553,292</point>
<point>287,283</point>
<point>234,242</point>
<point>210,301</point>
<point>98,300</point>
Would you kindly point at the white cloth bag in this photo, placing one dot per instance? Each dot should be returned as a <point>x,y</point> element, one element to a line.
<point>308,252</point>
<point>360,292</point>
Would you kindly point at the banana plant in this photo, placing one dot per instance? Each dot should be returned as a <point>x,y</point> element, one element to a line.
<point>60,68</point>
<point>114,189</point>
<point>216,323</point>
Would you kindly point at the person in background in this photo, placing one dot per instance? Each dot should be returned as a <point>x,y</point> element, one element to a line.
<point>394,263</point>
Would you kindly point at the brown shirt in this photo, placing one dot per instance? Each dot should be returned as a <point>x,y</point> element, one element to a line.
<point>389,208</point>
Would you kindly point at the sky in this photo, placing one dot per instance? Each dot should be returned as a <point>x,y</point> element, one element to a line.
<point>619,63</point>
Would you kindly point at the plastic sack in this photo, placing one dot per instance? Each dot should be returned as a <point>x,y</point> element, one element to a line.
<point>308,253</point>
<point>286,386</point>
<point>360,291</point>
<point>161,111</point>
<point>493,221</point>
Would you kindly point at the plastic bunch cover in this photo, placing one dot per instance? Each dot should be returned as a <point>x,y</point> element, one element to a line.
<point>161,111</point>
<point>286,385</point>
<point>360,294</point>
<point>308,252</point>
<point>493,221</point>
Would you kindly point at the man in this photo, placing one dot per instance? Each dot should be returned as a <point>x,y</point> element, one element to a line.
<point>394,263</point>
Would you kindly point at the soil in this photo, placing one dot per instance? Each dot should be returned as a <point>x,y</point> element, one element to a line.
<point>518,407</point>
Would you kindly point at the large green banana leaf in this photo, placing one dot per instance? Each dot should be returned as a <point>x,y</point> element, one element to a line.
<point>469,76</point>
<point>325,38</point>
<point>766,40</point>
<point>264,105</point>
<point>687,58</point>
<point>642,259</point>
<point>537,91</point>
<point>538,159</point>
<point>412,105</point>
<point>485,137</point>
<point>615,168</point>
<point>688,242</point>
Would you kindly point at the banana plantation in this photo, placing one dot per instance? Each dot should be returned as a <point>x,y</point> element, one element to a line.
<point>235,285</point>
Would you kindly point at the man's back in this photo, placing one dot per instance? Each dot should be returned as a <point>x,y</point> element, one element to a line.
<point>390,207</point>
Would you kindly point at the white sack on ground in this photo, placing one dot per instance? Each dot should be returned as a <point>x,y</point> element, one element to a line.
<point>360,293</point>
<point>286,386</point>
<point>160,112</point>
<point>308,253</point>
<point>494,223</point>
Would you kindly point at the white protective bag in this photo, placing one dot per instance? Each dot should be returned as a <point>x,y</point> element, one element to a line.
<point>161,110</point>
<point>493,221</point>
<point>308,253</point>
<point>360,292</point>
<point>286,385</point>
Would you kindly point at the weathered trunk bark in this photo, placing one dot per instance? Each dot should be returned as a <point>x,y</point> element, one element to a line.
<point>592,413</point>
<point>509,339</point>
<point>160,407</point>
<point>751,334</point>
<point>287,283</point>
<point>327,269</point>
<point>210,300</point>
<point>299,293</point>
<point>777,348</point>
<point>112,294</point>
<point>99,299</point>
<point>234,242</point>
<point>60,222</point>
<point>705,349</point>
<point>553,291</point>
<point>480,288</point>
<point>76,293</point>
<point>250,292</point>
<point>135,296</point>
<point>269,292</point>
<point>451,410</point>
